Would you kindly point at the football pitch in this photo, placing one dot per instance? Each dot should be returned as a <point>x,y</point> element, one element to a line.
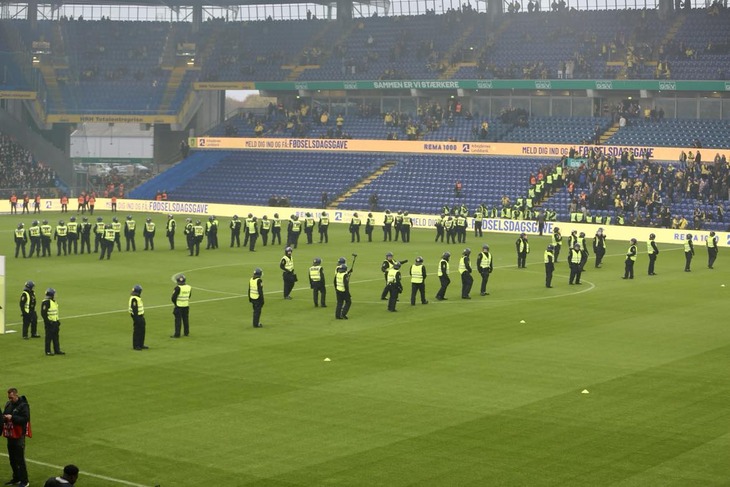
<point>614,382</point>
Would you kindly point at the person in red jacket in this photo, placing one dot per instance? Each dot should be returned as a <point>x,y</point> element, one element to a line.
<point>16,426</point>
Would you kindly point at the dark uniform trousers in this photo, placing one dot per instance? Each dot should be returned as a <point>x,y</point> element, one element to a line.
<point>418,287</point>
<point>319,290</point>
<point>445,281</point>
<point>30,321</point>
<point>466,283</point>
<point>289,280</point>
<point>182,320</point>
<point>485,279</point>
<point>344,301</point>
<point>139,326</point>
<point>258,305</point>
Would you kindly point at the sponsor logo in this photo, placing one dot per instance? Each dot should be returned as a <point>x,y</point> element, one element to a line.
<point>543,85</point>
<point>484,85</point>
<point>301,86</point>
<point>727,85</point>
<point>604,85</point>
<point>667,85</point>
<point>352,85</point>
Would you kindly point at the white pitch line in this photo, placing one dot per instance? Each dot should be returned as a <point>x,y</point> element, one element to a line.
<point>85,473</point>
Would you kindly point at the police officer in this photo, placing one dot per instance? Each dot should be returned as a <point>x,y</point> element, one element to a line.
<point>209,233</point>
<point>317,283</point>
<point>323,225</point>
<point>652,250</point>
<point>99,230</point>
<point>549,259</point>
<point>49,313</point>
<point>309,227</point>
<point>149,234</point>
<point>139,325</point>
<point>189,233</point>
<point>711,243</point>
<point>256,296</point>
<point>28,312</point>
<point>287,267</point>
<point>485,267</point>
<point>465,270</point>
<point>294,229</point>
<point>275,230</point>
<point>235,227</point>
<point>523,248</point>
<point>107,245</point>
<point>369,226</point>
<point>398,224</point>
<point>170,231</point>
<point>213,232</point>
<point>460,228</point>
<point>557,242</point>
<point>252,228</point>
<point>574,257</point>
<point>73,236</point>
<point>198,233</point>
<point>440,227</point>
<point>35,239</point>
<point>630,259</point>
<point>394,285</point>
<point>117,227</point>
<point>181,299</point>
<point>130,228</point>
<point>599,246</point>
<point>355,227</point>
<point>478,217</point>
<point>342,289</point>
<point>443,274</point>
<point>265,229</point>
<point>85,233</point>
<point>405,228</point>
<point>584,251</point>
<point>387,264</point>
<point>21,238</point>
<point>387,226</point>
<point>418,281</point>
<point>61,237</point>
<point>46,234</point>
<point>450,229</point>
<point>689,252</point>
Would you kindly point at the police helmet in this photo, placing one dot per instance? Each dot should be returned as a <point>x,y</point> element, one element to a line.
<point>342,268</point>
<point>288,250</point>
<point>389,254</point>
<point>689,236</point>
<point>250,215</point>
<point>485,247</point>
<point>137,289</point>
<point>355,214</point>
<point>405,213</point>
<point>50,292</point>
<point>60,222</point>
<point>265,217</point>
<point>99,219</point>
<point>85,219</point>
<point>633,241</point>
<point>108,225</point>
<point>189,220</point>
<point>181,279</point>
<point>396,265</point>
<point>556,229</point>
<point>45,222</point>
<point>341,260</point>
<point>211,218</point>
<point>129,217</point>
<point>20,225</point>
<point>324,213</point>
<point>276,215</point>
<point>35,222</point>
<point>446,255</point>
<point>316,261</point>
<point>148,220</point>
<point>258,272</point>
<point>652,236</point>
<point>467,251</point>
<point>73,218</point>
<point>169,216</point>
<point>197,222</point>
<point>308,214</point>
<point>235,217</point>
<point>115,219</point>
<point>550,247</point>
<point>582,234</point>
<point>370,215</point>
<point>387,211</point>
<point>400,212</point>
<point>712,234</point>
<point>29,285</point>
<point>576,246</point>
<point>573,232</point>
<point>419,260</point>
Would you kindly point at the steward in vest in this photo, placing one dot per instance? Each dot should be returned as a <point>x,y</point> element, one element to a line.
<point>460,228</point>
<point>355,227</point>
<point>478,217</point>
<point>418,281</point>
<point>387,264</point>
<point>198,234</point>
<point>584,250</point>
<point>599,246</point>
<point>630,259</point>
<point>46,234</point>
<point>293,231</point>
<point>170,231</point>
<point>252,227</point>
<point>209,233</point>
<point>387,226</point>
<point>99,230</point>
<point>85,233</point>
<point>139,325</point>
<point>21,238</point>
<point>342,289</point>
<point>26,202</point>
<point>393,285</point>
<point>369,226</point>
<point>73,236</point>
<point>149,234</point>
<point>440,228</point>
<point>37,204</point>
<point>405,229</point>
<point>465,270</point>
<point>91,203</point>
<point>27,311</point>
<point>181,299</point>
<point>308,227</point>
<point>256,296</point>
<point>107,245</point>
<point>13,204</point>
<point>689,252</point>
<point>35,239</point>
<point>61,237</point>
<point>130,227</point>
<point>266,226</point>
<point>49,313</point>
<point>443,274</point>
<point>485,268</point>
<point>711,243</point>
<point>81,200</point>
<point>117,233</point>
<point>317,283</point>
<point>275,230</point>
<point>450,230</point>
<point>397,224</point>
<point>323,226</point>
<point>652,251</point>
<point>523,248</point>
<point>64,204</point>
<point>213,233</point>
<point>287,267</point>
<point>549,259</point>
<point>235,227</point>
<point>574,257</point>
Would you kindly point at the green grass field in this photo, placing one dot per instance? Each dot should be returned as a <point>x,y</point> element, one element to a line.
<point>452,393</point>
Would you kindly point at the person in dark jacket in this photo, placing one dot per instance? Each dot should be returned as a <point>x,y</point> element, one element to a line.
<point>16,426</point>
